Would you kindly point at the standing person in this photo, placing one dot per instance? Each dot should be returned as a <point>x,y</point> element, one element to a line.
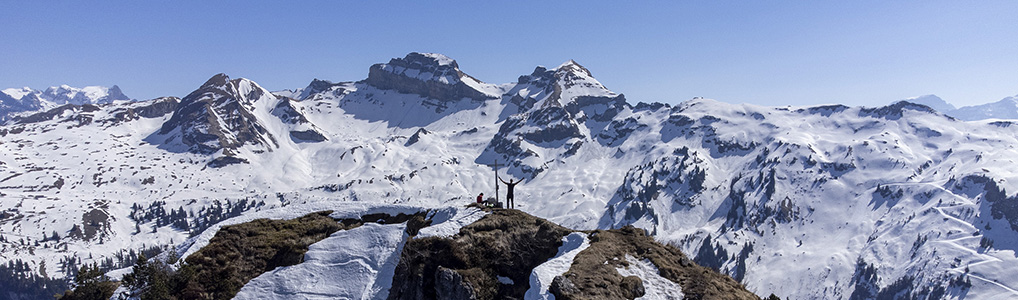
<point>509,203</point>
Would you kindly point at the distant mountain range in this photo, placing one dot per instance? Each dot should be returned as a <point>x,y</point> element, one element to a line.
<point>814,202</point>
<point>14,100</point>
<point>1006,108</point>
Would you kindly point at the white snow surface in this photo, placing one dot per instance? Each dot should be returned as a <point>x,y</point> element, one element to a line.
<point>801,198</point>
<point>1006,108</point>
<point>59,95</point>
<point>350,264</point>
<point>543,274</point>
<point>17,93</point>
<point>655,286</point>
<point>440,58</point>
<point>447,222</point>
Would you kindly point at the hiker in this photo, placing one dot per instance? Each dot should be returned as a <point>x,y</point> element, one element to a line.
<point>480,198</point>
<point>509,193</point>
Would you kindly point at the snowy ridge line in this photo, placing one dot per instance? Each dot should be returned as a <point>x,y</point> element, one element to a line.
<point>800,201</point>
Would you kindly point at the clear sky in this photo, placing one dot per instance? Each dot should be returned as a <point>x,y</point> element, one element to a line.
<point>762,52</point>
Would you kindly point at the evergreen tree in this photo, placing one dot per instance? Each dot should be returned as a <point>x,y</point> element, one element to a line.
<point>90,283</point>
<point>149,279</point>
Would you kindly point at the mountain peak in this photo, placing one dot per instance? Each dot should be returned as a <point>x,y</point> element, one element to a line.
<point>431,58</point>
<point>217,80</point>
<point>572,67</point>
<point>420,66</point>
<point>933,102</point>
<point>430,75</point>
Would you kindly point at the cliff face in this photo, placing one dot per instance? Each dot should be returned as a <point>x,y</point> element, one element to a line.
<point>429,75</point>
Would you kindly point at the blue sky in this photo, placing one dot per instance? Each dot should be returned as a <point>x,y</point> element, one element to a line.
<point>761,52</point>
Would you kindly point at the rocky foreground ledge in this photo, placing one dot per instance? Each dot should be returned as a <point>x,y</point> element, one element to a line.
<point>504,254</point>
<point>496,257</point>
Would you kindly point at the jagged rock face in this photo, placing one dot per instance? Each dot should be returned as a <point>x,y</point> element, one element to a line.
<point>895,111</point>
<point>553,108</point>
<point>154,108</point>
<point>430,75</point>
<point>506,243</point>
<point>57,112</point>
<point>317,87</point>
<point>678,177</point>
<point>218,116</point>
<point>288,112</point>
<point>449,284</point>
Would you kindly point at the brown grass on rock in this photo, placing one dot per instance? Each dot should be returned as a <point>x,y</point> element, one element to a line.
<point>593,273</point>
<point>506,243</point>
<point>238,253</point>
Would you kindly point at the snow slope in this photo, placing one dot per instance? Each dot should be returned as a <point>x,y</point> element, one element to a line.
<point>805,202</point>
<point>351,264</point>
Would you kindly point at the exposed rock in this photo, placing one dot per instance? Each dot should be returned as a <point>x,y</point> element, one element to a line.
<point>223,161</point>
<point>430,75</point>
<point>632,287</point>
<point>307,136</point>
<point>561,285</point>
<point>895,111</point>
<point>287,112</point>
<point>593,273</point>
<point>510,243</point>
<point>506,243</point>
<point>149,109</point>
<point>450,285</point>
<point>54,113</point>
<point>219,116</point>
<point>416,137</point>
<point>317,86</point>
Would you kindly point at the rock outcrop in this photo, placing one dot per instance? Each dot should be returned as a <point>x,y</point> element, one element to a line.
<point>493,259</point>
<point>429,75</point>
<point>218,116</point>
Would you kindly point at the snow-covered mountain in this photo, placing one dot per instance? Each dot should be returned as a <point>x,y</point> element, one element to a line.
<point>1006,108</point>
<point>15,100</point>
<point>804,202</point>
